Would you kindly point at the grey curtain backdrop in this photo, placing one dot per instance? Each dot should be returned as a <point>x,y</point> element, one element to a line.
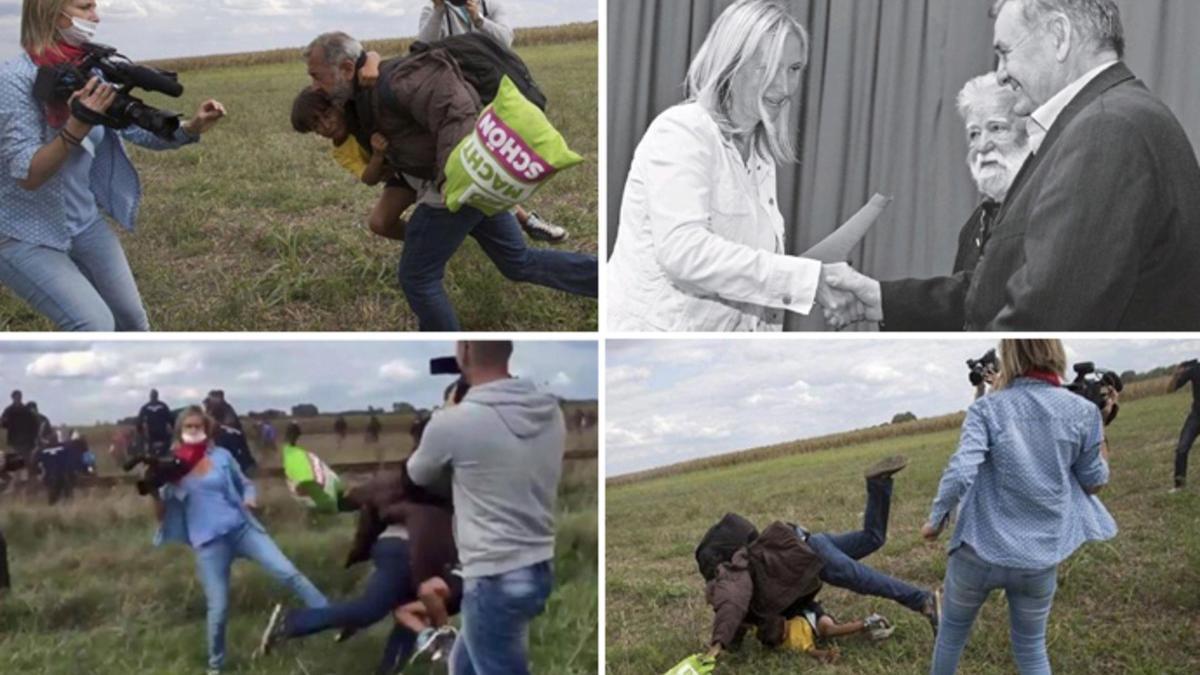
<point>877,112</point>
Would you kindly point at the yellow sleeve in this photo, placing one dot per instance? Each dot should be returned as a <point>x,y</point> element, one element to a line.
<point>351,157</point>
<point>800,636</point>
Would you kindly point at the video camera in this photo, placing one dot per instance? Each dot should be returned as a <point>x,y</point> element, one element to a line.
<point>159,471</point>
<point>56,84</point>
<point>1090,382</point>
<point>979,367</point>
<point>448,365</point>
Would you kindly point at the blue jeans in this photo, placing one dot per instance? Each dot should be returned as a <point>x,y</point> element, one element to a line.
<point>969,581</point>
<point>90,287</point>
<point>842,553</point>
<point>213,562</point>
<point>496,613</point>
<point>433,235</point>
<point>389,586</point>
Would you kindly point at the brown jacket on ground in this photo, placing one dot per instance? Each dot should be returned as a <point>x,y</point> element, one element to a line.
<point>424,107</point>
<point>391,498</point>
<point>760,583</point>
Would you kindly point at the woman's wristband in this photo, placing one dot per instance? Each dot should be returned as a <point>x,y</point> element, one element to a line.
<point>69,138</point>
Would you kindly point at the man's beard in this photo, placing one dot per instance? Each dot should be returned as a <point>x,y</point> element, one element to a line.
<point>342,90</point>
<point>995,183</point>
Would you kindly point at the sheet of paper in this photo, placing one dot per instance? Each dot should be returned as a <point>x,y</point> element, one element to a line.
<point>837,246</point>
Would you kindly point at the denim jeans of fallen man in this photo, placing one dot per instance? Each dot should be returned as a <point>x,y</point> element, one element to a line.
<point>496,614</point>
<point>213,563</point>
<point>88,288</point>
<point>969,581</point>
<point>841,553</point>
<point>389,586</point>
<point>434,234</point>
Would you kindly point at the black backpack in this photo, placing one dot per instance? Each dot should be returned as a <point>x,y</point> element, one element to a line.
<point>722,541</point>
<point>483,62</point>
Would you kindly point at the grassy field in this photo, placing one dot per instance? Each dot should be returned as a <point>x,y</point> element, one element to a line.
<point>91,595</point>
<point>1131,605</point>
<point>257,229</point>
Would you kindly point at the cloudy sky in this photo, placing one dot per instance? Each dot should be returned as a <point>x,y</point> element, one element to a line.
<point>145,29</point>
<point>83,382</point>
<point>670,401</point>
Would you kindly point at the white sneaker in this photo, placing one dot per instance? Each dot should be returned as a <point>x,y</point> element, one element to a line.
<point>543,230</point>
<point>878,627</point>
<point>1174,490</point>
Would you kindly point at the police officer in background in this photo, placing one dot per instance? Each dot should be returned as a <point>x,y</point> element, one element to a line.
<point>156,424</point>
<point>1188,371</point>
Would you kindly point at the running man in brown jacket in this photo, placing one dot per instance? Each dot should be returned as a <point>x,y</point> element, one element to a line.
<point>428,108</point>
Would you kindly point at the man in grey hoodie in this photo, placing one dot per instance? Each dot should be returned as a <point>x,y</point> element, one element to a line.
<point>503,446</point>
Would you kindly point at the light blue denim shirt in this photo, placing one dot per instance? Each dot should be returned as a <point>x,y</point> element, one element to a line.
<point>1026,454</point>
<point>186,524</point>
<point>40,216</point>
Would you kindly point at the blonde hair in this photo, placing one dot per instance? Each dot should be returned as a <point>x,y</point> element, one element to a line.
<point>1018,357</point>
<point>739,32</point>
<point>39,31</point>
<point>210,424</point>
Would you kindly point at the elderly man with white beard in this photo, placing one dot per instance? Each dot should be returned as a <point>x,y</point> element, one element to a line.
<point>997,145</point>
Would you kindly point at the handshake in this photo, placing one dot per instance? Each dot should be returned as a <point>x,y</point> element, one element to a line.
<point>848,297</point>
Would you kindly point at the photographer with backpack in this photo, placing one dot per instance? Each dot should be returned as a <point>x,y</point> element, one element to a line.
<point>1188,371</point>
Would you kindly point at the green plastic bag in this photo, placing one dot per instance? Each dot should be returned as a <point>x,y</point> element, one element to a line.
<point>311,480</point>
<point>696,664</point>
<point>513,151</point>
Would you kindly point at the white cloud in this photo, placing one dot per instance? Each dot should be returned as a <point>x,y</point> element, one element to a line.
<point>398,370</point>
<point>876,372</point>
<point>250,376</point>
<point>85,364</point>
<point>560,379</point>
<point>619,375</point>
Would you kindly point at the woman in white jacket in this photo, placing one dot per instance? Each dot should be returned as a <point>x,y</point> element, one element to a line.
<point>700,243</point>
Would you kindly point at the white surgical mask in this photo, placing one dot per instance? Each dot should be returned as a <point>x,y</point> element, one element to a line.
<point>193,437</point>
<point>79,32</point>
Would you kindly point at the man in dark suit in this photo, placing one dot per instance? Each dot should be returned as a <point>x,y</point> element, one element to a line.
<point>1101,228</point>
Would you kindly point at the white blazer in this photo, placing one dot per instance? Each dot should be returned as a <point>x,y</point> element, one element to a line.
<point>700,242</point>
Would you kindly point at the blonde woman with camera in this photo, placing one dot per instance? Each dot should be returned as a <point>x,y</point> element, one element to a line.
<point>60,176</point>
<point>210,509</point>
<point>1029,464</point>
<point>700,245</point>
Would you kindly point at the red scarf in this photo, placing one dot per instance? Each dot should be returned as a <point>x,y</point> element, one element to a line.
<point>56,55</point>
<point>191,453</point>
<point>1045,376</point>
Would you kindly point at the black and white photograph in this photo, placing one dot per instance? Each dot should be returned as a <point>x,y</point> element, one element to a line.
<point>1009,165</point>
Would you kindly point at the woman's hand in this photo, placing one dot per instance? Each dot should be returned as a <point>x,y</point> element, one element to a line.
<point>251,504</point>
<point>207,115</point>
<point>930,533</point>
<point>96,95</point>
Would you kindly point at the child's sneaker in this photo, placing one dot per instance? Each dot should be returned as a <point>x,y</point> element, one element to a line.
<point>443,642</point>
<point>878,627</point>
<point>543,230</point>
